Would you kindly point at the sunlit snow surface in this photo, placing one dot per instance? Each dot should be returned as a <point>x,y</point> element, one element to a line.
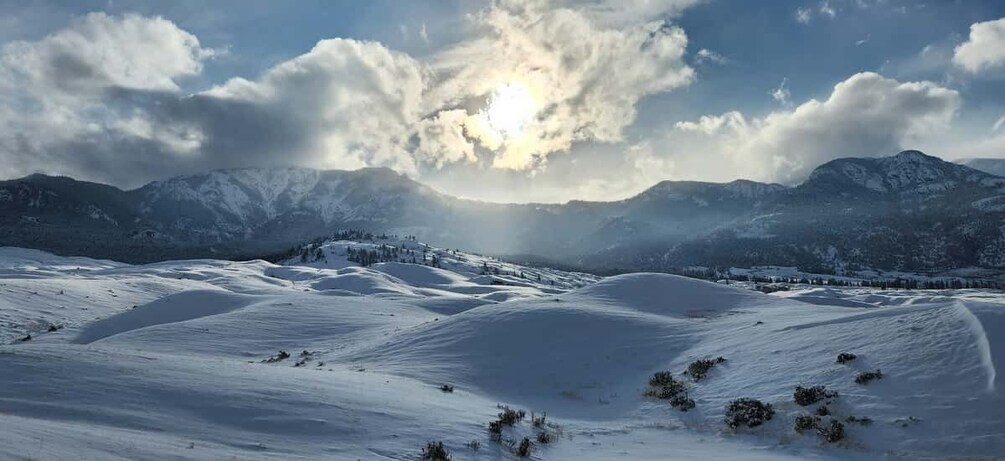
<point>165,361</point>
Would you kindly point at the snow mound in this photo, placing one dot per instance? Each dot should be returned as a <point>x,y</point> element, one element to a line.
<point>418,275</point>
<point>670,295</point>
<point>175,308</point>
<point>563,357</point>
<point>362,281</point>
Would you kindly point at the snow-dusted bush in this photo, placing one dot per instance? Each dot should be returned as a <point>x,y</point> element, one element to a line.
<point>435,451</point>
<point>748,412</point>
<point>523,450</point>
<point>282,355</point>
<point>832,432</point>
<point>448,388</point>
<point>806,422</point>
<point>495,430</point>
<point>810,395</point>
<point>682,402</point>
<point>699,368</point>
<point>509,416</point>
<point>846,357</point>
<point>663,386</point>
<point>661,378</point>
<point>546,437</point>
<point>868,376</point>
<point>865,421</point>
<point>822,411</point>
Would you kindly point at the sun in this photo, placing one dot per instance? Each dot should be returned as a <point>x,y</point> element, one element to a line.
<point>511,108</point>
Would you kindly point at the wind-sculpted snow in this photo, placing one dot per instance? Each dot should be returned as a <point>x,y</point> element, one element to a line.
<point>210,359</point>
<point>183,306</point>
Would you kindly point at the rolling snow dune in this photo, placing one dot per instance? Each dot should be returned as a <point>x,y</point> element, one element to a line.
<point>183,306</point>
<point>194,370</point>
<point>671,295</point>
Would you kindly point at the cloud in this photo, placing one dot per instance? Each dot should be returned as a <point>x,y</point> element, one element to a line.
<point>101,99</point>
<point>985,49</point>
<point>827,10</point>
<point>708,56</point>
<point>998,124</point>
<point>804,15</point>
<point>60,97</point>
<point>585,74</point>
<point>865,115</point>
<point>343,104</point>
<point>782,94</point>
<point>99,51</point>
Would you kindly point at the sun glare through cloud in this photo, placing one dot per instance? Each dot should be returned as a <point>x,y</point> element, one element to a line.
<point>511,108</point>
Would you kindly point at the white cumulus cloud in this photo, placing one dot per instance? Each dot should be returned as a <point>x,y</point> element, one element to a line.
<point>865,115</point>
<point>984,49</point>
<point>585,74</point>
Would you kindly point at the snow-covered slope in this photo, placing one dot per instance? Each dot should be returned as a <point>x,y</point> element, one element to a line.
<point>905,212</point>
<point>273,204</point>
<point>180,360</point>
<point>909,171</point>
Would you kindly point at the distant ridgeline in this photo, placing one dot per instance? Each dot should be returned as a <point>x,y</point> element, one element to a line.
<point>383,251</point>
<point>770,283</point>
<point>905,213</point>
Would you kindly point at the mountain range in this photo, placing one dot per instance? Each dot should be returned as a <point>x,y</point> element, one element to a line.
<point>909,211</point>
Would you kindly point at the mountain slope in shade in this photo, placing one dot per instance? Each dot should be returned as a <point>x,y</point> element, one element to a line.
<point>910,211</point>
<point>995,166</point>
<point>909,172</point>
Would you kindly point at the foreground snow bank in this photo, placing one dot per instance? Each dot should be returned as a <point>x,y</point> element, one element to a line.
<point>194,370</point>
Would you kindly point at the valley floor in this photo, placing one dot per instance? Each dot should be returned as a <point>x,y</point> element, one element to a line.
<point>181,360</point>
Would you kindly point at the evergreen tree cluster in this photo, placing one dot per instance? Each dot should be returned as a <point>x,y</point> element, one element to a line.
<point>716,274</point>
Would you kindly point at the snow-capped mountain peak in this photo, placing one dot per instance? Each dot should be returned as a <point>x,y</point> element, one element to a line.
<point>910,171</point>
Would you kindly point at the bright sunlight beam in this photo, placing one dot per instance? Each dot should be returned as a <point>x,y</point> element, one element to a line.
<point>510,109</point>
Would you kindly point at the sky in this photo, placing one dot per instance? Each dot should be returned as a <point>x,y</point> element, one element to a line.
<point>504,101</point>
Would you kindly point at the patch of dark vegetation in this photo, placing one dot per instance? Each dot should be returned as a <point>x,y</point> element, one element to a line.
<point>54,328</point>
<point>846,357</point>
<point>663,386</point>
<point>868,376</point>
<point>908,421</point>
<point>832,432</point>
<point>806,422</point>
<point>864,421</point>
<point>523,450</point>
<point>509,416</point>
<point>661,379</point>
<point>682,402</point>
<point>771,288</point>
<point>699,368</point>
<point>474,445</point>
<point>26,338</point>
<point>495,430</point>
<point>822,411</point>
<point>748,412</point>
<point>447,388</point>
<point>546,437</point>
<point>435,451</point>
<point>538,421</point>
<point>282,355</point>
<point>810,395</point>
